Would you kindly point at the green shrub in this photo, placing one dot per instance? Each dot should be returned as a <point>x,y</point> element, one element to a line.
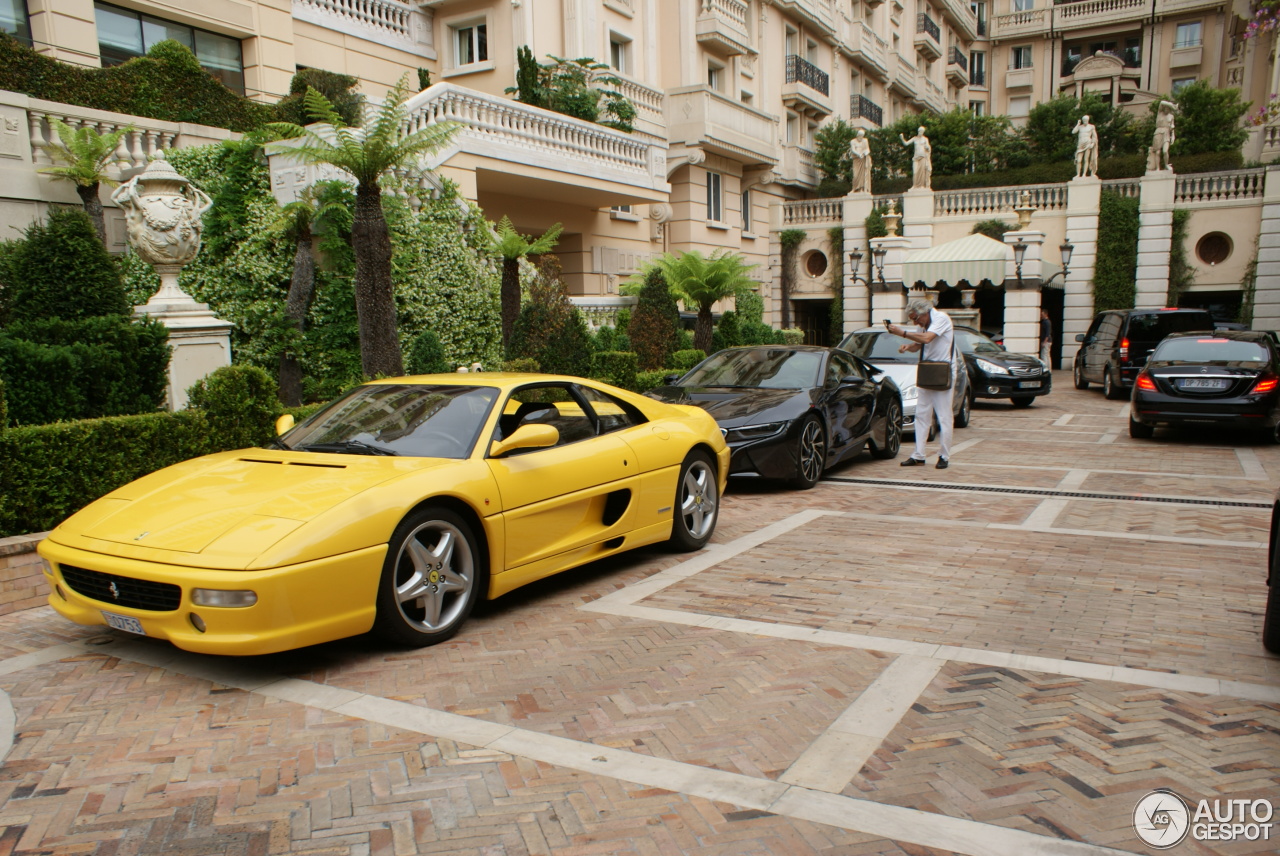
<point>550,329</point>
<point>793,336</point>
<point>648,380</point>
<point>426,355</point>
<point>993,229</point>
<point>653,328</point>
<point>168,83</point>
<point>683,360</point>
<point>617,368</point>
<point>4,409</point>
<point>523,364</point>
<point>83,369</point>
<point>610,339</point>
<point>239,403</point>
<point>60,269</point>
<point>756,333</point>
<point>1117,261</point>
<point>727,333</point>
<point>749,305</point>
<point>338,88</point>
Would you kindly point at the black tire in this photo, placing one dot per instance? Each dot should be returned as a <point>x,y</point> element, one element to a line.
<point>1271,618</point>
<point>811,453</point>
<point>892,444</point>
<point>1078,374</point>
<point>431,579</point>
<point>965,414</point>
<point>1110,388</point>
<point>1024,401</point>
<point>697,505</point>
<point>1139,430</point>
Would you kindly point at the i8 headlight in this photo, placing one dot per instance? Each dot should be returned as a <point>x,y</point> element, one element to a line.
<point>991,368</point>
<point>745,433</point>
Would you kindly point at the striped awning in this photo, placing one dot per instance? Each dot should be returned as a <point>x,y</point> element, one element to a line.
<point>972,258</point>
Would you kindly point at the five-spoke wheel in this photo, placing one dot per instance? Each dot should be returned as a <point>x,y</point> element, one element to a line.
<point>697,503</point>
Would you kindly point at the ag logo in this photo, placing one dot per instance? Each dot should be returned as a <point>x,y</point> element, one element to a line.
<point>1161,819</point>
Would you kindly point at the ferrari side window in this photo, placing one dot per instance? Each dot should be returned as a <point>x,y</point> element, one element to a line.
<point>552,405</point>
<point>611,414</point>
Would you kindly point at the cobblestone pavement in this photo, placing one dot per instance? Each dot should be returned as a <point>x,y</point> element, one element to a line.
<point>999,658</point>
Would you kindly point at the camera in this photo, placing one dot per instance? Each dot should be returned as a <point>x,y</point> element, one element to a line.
<point>887,322</point>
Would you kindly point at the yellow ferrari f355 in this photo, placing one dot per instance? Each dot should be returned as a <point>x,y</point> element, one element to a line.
<point>392,509</point>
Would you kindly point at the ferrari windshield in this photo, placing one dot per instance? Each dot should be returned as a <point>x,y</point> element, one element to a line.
<point>876,345</point>
<point>414,420</point>
<point>767,368</point>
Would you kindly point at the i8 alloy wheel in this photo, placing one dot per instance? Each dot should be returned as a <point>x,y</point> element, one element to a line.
<point>811,453</point>
<point>697,503</point>
<point>892,433</point>
<point>429,579</point>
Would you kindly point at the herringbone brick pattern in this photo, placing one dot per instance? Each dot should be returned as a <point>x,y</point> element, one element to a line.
<point>1225,524</point>
<point>116,758</point>
<point>1070,756</point>
<point>1236,490</point>
<point>1198,461</point>
<point>1158,606</point>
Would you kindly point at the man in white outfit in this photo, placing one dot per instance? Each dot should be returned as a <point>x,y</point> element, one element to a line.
<point>936,336</point>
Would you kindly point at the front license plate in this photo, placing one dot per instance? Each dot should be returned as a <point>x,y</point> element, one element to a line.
<point>1028,384</point>
<point>125,623</point>
<point>1202,383</point>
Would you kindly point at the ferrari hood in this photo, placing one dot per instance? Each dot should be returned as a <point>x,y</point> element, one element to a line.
<point>252,497</point>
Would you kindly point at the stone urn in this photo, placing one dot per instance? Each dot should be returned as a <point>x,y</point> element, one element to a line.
<point>162,220</point>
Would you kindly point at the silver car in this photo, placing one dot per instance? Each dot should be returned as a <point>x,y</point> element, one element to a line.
<point>880,348</point>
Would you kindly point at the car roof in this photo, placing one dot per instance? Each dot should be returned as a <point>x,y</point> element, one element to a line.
<point>1167,310</point>
<point>1239,335</point>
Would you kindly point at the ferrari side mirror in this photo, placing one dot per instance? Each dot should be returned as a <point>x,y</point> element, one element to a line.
<point>532,436</point>
<point>284,423</point>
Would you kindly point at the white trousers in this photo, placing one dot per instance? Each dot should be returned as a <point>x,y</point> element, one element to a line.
<point>929,402</point>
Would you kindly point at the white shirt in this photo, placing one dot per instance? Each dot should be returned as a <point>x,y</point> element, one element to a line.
<point>944,337</point>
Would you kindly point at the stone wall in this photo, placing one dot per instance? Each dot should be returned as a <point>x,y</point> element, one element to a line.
<point>22,584</point>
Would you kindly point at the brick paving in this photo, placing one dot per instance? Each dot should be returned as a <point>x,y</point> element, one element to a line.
<point>112,756</point>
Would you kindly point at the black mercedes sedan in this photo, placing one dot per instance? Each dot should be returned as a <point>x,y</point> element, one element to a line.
<point>997,373</point>
<point>1214,377</point>
<point>791,411</point>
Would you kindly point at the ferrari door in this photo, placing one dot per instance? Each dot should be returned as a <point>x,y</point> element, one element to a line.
<point>563,497</point>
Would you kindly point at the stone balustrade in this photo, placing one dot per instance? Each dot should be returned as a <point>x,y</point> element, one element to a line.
<point>1029,23</point>
<point>1129,188</point>
<point>1210,187</point>
<point>804,212</point>
<point>647,100</point>
<point>992,201</point>
<point>389,22</point>
<point>733,11</point>
<point>527,134</point>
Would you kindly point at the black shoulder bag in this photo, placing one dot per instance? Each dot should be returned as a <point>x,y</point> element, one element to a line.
<point>933,374</point>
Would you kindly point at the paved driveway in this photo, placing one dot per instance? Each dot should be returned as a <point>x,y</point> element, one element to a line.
<point>999,658</point>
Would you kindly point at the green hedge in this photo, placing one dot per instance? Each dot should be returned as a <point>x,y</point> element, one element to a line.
<point>616,367</point>
<point>167,84</point>
<point>105,366</point>
<point>1117,261</point>
<point>686,359</point>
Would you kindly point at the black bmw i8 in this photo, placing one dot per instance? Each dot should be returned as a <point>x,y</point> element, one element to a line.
<point>791,411</point>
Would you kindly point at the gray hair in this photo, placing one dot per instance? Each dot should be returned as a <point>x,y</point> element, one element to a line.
<point>918,306</point>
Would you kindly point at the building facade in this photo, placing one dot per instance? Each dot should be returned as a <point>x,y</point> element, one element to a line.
<point>729,96</point>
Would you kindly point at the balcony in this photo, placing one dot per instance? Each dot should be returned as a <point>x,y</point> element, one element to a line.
<point>721,27</point>
<point>1019,78</point>
<point>928,37</point>
<point>862,107</point>
<point>904,78</point>
<point>700,116</point>
<point>797,166</point>
<point>1034,22</point>
<point>396,24</point>
<point>957,67</point>
<point>869,49</point>
<point>1099,13</point>
<point>807,89</point>
<point>961,16</point>
<point>931,95</point>
<point>519,149</point>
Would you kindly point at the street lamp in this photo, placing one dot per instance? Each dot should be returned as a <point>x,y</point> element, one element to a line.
<point>1066,248</point>
<point>877,264</point>
<point>1019,253</point>
<point>855,261</point>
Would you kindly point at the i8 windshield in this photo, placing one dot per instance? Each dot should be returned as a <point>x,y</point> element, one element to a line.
<point>412,420</point>
<point>765,368</point>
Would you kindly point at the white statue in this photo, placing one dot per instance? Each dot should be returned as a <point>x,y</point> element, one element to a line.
<point>1086,147</point>
<point>921,159</point>
<point>860,151</point>
<point>1158,154</point>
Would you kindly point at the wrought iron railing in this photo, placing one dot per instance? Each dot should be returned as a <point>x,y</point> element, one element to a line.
<point>800,70</point>
<point>925,24</point>
<point>958,58</point>
<point>862,107</point>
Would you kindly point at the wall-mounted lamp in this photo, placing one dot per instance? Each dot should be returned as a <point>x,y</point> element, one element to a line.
<point>1019,253</point>
<point>1066,248</point>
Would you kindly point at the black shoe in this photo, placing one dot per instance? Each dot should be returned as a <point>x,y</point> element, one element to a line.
<point>942,464</point>
<point>912,462</point>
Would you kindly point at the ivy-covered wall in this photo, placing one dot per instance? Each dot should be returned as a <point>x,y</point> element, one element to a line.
<point>1117,264</point>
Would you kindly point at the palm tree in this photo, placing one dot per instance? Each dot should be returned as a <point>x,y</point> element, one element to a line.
<point>85,155</point>
<point>324,205</point>
<point>701,281</point>
<point>512,247</point>
<point>368,154</point>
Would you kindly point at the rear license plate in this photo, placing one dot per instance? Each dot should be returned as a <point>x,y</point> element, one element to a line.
<point>1203,383</point>
<point>125,623</point>
<point>1028,384</point>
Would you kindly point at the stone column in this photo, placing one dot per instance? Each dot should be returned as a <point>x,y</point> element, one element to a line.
<point>1083,196</point>
<point>889,298</point>
<point>1022,296</point>
<point>857,295</point>
<point>1266,295</point>
<point>917,218</point>
<point>1155,237</point>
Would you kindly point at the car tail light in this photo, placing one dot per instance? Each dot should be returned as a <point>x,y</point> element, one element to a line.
<point>1266,383</point>
<point>1145,382</point>
<point>1124,349</point>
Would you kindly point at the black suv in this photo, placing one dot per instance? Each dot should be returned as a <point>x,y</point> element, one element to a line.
<point>1119,341</point>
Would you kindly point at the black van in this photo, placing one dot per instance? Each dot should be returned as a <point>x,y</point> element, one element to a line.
<point>1119,341</point>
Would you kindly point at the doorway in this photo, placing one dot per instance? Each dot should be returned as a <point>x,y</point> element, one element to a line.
<point>814,318</point>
